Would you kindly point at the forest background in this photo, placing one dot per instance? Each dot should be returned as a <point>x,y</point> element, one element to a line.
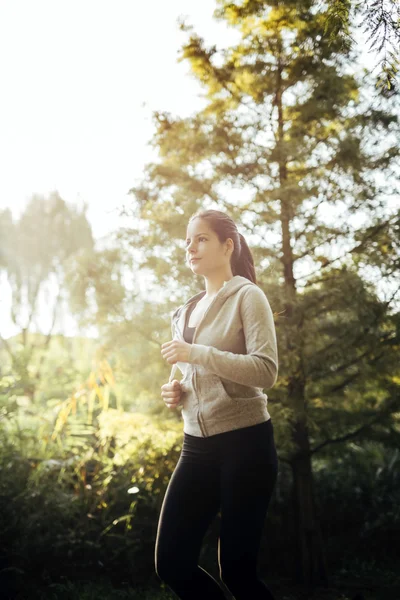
<point>301,147</point>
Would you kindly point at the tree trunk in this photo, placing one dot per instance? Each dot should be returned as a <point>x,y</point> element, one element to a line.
<point>309,557</point>
<point>309,562</point>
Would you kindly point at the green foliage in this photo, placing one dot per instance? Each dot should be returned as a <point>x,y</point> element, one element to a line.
<point>287,145</point>
<point>34,253</point>
<point>68,517</point>
<point>89,508</point>
<point>285,134</point>
<point>95,284</point>
<point>47,234</point>
<point>381,22</point>
<point>290,145</point>
<point>359,485</point>
<point>285,124</point>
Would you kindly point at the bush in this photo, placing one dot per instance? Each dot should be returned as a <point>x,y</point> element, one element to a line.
<point>87,513</point>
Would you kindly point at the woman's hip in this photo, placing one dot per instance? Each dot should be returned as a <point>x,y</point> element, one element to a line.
<point>254,443</point>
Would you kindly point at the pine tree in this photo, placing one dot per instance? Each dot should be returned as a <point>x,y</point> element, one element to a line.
<point>287,125</point>
<point>380,20</point>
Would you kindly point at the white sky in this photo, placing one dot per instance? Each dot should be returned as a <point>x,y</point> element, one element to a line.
<point>79,82</point>
<point>75,76</point>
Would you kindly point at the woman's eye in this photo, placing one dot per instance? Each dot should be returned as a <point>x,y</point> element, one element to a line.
<point>201,238</point>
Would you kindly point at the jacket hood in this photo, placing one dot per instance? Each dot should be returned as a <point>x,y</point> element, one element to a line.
<point>229,288</point>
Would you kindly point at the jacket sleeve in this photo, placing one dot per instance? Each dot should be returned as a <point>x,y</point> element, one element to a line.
<point>259,366</point>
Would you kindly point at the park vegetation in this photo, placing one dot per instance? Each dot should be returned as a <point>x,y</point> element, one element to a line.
<point>301,149</point>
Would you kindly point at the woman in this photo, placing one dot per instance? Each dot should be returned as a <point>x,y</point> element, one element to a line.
<point>224,343</point>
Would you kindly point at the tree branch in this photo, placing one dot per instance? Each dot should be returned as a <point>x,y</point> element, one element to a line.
<point>354,434</point>
<point>374,230</point>
<point>344,438</point>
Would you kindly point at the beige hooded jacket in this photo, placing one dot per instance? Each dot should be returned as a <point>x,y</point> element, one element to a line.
<point>233,359</point>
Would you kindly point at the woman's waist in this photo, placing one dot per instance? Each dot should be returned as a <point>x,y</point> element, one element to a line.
<point>247,432</point>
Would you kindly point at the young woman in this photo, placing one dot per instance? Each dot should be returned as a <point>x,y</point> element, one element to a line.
<point>224,343</point>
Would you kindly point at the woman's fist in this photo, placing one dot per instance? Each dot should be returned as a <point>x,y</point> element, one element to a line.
<point>171,393</point>
<point>176,351</point>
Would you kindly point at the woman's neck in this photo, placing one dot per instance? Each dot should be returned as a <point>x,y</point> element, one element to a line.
<point>213,287</point>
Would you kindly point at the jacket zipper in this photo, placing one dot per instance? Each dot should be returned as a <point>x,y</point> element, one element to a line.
<point>199,415</point>
<point>202,429</point>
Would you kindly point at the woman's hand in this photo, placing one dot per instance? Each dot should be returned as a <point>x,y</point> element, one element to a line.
<point>171,393</point>
<point>176,351</point>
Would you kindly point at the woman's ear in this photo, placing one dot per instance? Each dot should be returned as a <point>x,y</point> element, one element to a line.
<point>230,246</point>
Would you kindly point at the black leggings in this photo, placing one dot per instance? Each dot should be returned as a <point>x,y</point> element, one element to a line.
<point>232,472</point>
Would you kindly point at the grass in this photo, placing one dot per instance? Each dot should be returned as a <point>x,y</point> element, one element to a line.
<point>375,586</point>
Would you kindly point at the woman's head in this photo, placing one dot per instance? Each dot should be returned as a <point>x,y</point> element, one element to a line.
<point>220,247</point>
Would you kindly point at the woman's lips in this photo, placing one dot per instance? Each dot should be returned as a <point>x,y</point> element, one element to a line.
<point>194,260</point>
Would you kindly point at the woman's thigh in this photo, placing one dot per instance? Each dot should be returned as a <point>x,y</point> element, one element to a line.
<point>191,502</point>
<point>249,469</point>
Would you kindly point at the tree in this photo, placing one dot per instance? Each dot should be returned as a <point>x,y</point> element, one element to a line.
<point>104,294</point>
<point>287,125</point>
<point>380,19</point>
<point>34,254</point>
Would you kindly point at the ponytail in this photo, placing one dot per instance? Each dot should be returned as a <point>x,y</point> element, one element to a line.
<point>242,262</point>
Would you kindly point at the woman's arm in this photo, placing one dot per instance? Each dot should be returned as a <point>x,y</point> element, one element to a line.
<point>259,366</point>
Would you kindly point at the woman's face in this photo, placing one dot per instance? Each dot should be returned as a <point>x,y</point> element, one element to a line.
<point>203,244</point>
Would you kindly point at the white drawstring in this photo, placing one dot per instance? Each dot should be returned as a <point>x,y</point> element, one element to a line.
<point>174,367</point>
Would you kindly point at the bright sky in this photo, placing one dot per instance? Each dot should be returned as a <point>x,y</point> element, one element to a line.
<point>80,79</point>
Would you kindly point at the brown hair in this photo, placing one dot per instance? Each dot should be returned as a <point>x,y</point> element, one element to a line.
<point>242,262</point>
